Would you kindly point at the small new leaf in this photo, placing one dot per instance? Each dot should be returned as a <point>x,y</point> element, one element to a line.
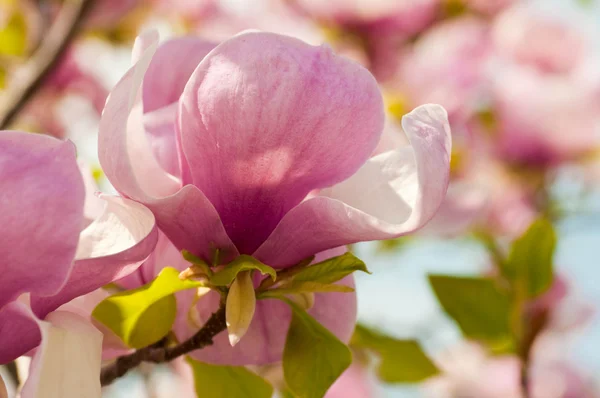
<point>296,287</point>
<point>145,315</point>
<point>313,358</point>
<point>530,261</point>
<point>240,307</point>
<point>401,361</point>
<point>228,382</point>
<point>331,270</point>
<point>243,263</point>
<point>478,307</point>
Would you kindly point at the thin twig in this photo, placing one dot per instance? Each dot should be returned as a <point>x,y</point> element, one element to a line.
<point>160,352</point>
<point>29,78</point>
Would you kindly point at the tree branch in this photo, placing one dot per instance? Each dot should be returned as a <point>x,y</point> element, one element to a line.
<point>30,77</point>
<point>159,352</point>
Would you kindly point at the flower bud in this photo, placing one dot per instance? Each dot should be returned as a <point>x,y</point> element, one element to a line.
<point>305,300</point>
<point>240,306</point>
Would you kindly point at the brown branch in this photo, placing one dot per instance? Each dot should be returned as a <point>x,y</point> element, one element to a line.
<point>160,352</point>
<point>28,78</point>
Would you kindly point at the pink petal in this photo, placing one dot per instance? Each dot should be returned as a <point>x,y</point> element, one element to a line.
<point>185,215</point>
<point>165,254</point>
<point>393,194</point>
<point>19,332</point>
<point>41,196</point>
<point>265,119</point>
<point>111,247</point>
<point>170,70</point>
<point>192,223</point>
<point>123,150</point>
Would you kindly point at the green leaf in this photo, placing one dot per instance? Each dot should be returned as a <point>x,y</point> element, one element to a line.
<point>480,309</point>
<point>530,261</point>
<point>331,270</point>
<point>243,263</point>
<point>145,315</point>
<point>402,361</point>
<point>228,382</point>
<point>304,287</point>
<point>313,358</point>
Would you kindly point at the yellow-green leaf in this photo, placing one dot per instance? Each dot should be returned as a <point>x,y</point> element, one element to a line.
<point>296,287</point>
<point>243,263</point>
<point>313,358</point>
<point>401,361</point>
<point>331,270</point>
<point>530,262</point>
<point>13,35</point>
<point>479,308</point>
<point>145,315</point>
<point>228,382</point>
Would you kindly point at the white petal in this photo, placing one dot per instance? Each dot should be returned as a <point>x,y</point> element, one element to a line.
<point>67,363</point>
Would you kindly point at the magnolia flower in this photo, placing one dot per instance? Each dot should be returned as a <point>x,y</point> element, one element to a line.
<point>446,65</point>
<point>545,82</point>
<point>405,16</point>
<point>53,252</point>
<point>269,154</point>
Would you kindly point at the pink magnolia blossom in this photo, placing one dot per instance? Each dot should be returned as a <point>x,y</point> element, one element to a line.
<point>544,88</point>
<point>270,155</point>
<point>405,16</point>
<point>54,249</point>
<point>446,65</point>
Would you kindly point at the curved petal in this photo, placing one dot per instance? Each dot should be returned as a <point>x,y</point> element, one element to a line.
<point>192,223</point>
<point>19,331</point>
<point>265,119</point>
<point>123,148</point>
<point>41,213</point>
<point>165,254</point>
<point>68,361</point>
<point>160,128</point>
<point>186,216</point>
<point>111,247</point>
<point>393,194</point>
<point>170,70</point>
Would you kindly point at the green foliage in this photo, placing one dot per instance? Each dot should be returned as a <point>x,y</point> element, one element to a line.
<point>313,358</point>
<point>145,315</point>
<point>243,263</point>
<point>479,308</point>
<point>530,262</point>
<point>304,287</point>
<point>228,382</point>
<point>331,270</point>
<point>402,361</point>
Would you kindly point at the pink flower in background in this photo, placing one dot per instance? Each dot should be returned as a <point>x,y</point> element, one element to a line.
<point>258,165</point>
<point>447,66</point>
<point>53,252</point>
<point>353,383</point>
<point>384,16</point>
<point>544,89</point>
<point>489,6</point>
<point>544,42</point>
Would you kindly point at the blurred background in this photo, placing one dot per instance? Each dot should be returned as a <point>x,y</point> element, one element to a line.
<point>521,82</point>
